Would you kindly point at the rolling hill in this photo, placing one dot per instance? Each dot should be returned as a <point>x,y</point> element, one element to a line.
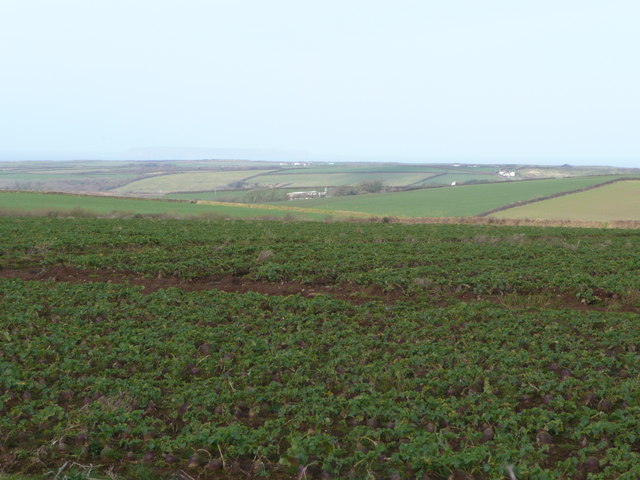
<point>615,201</point>
<point>465,200</point>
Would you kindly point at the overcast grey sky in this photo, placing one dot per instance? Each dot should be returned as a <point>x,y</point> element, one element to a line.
<point>547,81</point>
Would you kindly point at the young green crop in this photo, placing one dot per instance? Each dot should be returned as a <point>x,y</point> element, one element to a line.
<point>424,379</point>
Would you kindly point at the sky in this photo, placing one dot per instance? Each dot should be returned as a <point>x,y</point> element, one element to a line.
<point>527,81</point>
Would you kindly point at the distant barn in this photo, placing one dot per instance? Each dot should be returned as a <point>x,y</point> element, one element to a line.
<point>306,195</point>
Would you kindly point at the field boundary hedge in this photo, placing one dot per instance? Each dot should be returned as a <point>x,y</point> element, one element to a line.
<point>521,203</point>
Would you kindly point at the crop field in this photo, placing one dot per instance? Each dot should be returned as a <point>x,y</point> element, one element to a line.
<point>337,179</point>
<point>162,177</point>
<point>617,201</point>
<point>181,182</point>
<point>399,168</point>
<point>456,201</point>
<point>241,196</point>
<point>202,350</point>
<point>463,200</point>
<point>71,175</point>
<point>449,178</point>
<point>11,178</point>
<point>57,180</point>
<point>79,205</point>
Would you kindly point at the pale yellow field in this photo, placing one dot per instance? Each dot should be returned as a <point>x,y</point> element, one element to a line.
<point>616,201</point>
<point>186,182</point>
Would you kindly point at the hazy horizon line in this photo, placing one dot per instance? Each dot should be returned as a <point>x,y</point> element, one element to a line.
<point>326,159</point>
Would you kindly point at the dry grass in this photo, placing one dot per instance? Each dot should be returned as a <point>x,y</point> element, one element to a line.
<point>627,224</point>
<point>264,255</point>
<point>122,214</point>
<point>518,301</point>
<point>423,282</point>
<point>631,297</point>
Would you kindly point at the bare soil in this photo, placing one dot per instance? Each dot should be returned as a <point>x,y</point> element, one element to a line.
<point>349,292</point>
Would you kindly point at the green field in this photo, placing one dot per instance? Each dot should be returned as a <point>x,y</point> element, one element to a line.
<point>241,196</point>
<point>10,178</point>
<point>437,202</point>
<point>160,178</point>
<point>68,176</point>
<point>449,178</point>
<point>392,168</point>
<point>390,175</point>
<point>465,200</point>
<point>184,349</point>
<point>43,204</point>
<point>181,182</point>
<point>616,201</point>
<point>305,180</point>
<point>157,178</point>
<point>479,188</point>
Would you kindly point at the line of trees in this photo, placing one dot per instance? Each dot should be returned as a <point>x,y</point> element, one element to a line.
<point>367,186</point>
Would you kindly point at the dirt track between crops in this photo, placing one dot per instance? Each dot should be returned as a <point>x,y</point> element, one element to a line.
<point>352,293</point>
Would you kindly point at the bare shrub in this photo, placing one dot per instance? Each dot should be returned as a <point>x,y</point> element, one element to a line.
<point>423,282</point>
<point>264,255</point>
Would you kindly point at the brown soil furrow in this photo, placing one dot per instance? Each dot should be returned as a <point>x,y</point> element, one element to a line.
<point>352,293</point>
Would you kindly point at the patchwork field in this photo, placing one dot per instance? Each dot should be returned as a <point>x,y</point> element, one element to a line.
<point>459,201</point>
<point>52,180</point>
<point>256,195</point>
<point>305,179</point>
<point>180,182</point>
<point>308,177</point>
<point>463,200</point>
<point>617,201</point>
<point>78,205</point>
<point>397,168</point>
<point>158,178</point>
